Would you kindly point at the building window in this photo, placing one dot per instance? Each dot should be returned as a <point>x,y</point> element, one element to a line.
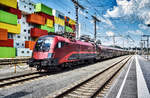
<point>29,38</point>
<point>25,30</point>
<point>17,44</point>
<point>28,31</point>
<point>18,36</point>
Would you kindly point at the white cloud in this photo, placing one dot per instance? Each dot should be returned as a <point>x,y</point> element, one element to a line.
<point>126,8</point>
<point>82,13</point>
<point>107,43</point>
<point>136,32</point>
<point>113,13</point>
<point>97,27</point>
<point>119,42</point>
<point>143,27</point>
<point>106,21</point>
<point>110,33</point>
<point>92,21</point>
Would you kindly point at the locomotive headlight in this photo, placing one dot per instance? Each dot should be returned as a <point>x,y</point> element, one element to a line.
<point>50,55</point>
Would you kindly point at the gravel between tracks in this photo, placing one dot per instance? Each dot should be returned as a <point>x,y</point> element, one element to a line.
<point>42,87</point>
<point>8,70</point>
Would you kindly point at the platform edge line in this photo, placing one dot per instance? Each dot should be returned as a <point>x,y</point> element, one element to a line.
<point>142,88</point>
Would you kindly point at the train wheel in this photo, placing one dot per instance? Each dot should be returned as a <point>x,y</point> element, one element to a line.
<point>62,66</point>
<point>38,68</point>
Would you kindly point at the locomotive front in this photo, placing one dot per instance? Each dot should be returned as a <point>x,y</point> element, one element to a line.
<point>43,53</point>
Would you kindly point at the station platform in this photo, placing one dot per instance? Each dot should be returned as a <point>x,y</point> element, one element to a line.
<point>133,81</point>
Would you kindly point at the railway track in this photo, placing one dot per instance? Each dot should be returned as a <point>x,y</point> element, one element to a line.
<point>13,61</point>
<point>20,78</point>
<point>94,85</point>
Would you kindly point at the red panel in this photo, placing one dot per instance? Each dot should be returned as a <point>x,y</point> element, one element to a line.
<point>15,11</point>
<point>6,43</point>
<point>74,27</point>
<point>66,23</point>
<point>46,16</point>
<point>40,55</point>
<point>36,32</point>
<point>70,25</point>
<point>73,34</point>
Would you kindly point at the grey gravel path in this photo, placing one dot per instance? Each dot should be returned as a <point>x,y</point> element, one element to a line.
<point>9,70</point>
<point>42,87</point>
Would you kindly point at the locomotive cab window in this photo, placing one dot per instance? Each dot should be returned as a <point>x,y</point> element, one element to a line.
<point>43,44</point>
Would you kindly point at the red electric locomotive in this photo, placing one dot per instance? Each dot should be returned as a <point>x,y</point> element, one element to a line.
<point>56,51</point>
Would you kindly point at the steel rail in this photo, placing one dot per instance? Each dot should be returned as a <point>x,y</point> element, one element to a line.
<point>20,78</point>
<point>13,61</point>
<point>64,93</point>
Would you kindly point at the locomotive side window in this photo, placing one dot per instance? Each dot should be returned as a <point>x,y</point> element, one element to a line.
<point>61,44</point>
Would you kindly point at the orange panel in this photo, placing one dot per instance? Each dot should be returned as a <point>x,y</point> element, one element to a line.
<point>30,44</point>
<point>37,19</point>
<point>3,34</point>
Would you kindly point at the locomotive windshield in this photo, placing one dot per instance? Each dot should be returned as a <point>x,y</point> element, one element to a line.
<point>43,45</point>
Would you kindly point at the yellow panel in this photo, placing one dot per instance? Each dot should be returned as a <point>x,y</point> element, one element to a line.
<point>59,21</point>
<point>10,3</point>
<point>72,22</point>
<point>11,28</point>
<point>49,23</point>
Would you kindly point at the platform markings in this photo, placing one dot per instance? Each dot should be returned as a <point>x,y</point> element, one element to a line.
<point>142,89</point>
<point>123,83</point>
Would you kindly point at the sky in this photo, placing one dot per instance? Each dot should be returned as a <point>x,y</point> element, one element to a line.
<point>125,19</point>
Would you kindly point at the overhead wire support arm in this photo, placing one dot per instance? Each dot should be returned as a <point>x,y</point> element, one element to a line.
<point>95,20</point>
<point>77,6</point>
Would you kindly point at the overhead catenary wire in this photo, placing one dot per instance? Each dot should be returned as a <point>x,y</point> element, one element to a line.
<point>90,5</point>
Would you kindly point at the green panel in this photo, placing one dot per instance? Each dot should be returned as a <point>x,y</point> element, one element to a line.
<point>7,52</point>
<point>43,8</point>
<point>8,18</point>
<point>68,29</point>
<point>45,27</point>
